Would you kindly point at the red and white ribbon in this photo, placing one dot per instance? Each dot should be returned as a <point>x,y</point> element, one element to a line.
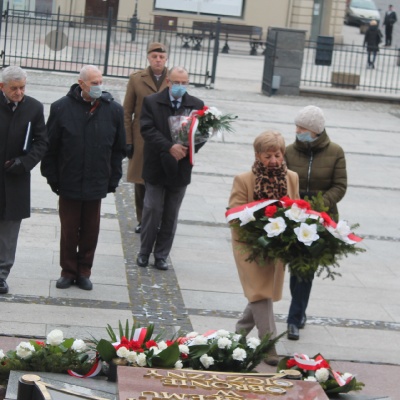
<point>192,130</point>
<point>93,371</point>
<point>307,363</point>
<point>139,334</point>
<point>245,211</point>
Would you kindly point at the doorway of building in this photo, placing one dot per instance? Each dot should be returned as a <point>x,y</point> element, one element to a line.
<point>99,8</point>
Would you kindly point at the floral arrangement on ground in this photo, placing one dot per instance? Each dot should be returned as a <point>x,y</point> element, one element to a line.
<point>318,369</point>
<point>306,240</point>
<point>217,350</point>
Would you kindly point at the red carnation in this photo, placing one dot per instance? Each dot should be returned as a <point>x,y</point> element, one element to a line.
<point>270,211</point>
<point>291,363</point>
<point>200,113</point>
<point>40,343</point>
<point>151,343</point>
<point>287,201</point>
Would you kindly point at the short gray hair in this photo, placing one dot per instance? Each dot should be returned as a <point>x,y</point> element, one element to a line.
<point>85,71</point>
<point>177,69</point>
<point>13,73</point>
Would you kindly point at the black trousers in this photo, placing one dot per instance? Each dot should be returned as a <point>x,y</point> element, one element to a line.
<point>388,34</point>
<point>300,291</point>
<point>80,226</point>
<point>9,231</point>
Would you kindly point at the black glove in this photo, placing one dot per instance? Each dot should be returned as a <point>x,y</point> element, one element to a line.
<point>55,188</point>
<point>111,189</point>
<point>129,150</point>
<point>15,166</point>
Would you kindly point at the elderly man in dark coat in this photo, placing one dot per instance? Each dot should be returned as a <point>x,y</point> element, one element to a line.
<point>83,164</point>
<point>166,169</point>
<point>23,142</point>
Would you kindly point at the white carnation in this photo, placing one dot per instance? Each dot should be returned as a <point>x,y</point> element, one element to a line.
<point>132,357</point>
<point>78,345</point>
<point>162,345</point>
<point>178,364</point>
<point>200,339</point>
<point>55,337</point>
<point>347,375</point>
<point>239,354</point>
<point>25,350</point>
<point>141,360</point>
<point>184,349</point>
<point>123,352</point>
<point>224,343</point>
<point>206,361</point>
<point>253,342</point>
<point>322,374</point>
<point>222,333</point>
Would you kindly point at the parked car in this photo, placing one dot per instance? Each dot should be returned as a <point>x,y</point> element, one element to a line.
<point>361,12</point>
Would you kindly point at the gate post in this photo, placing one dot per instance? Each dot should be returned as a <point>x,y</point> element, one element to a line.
<point>108,40</point>
<point>1,14</point>
<point>283,61</point>
<point>215,53</point>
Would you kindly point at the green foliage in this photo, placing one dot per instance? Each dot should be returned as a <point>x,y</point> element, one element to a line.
<point>322,256</point>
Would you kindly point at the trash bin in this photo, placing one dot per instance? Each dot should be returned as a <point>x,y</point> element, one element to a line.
<point>323,55</point>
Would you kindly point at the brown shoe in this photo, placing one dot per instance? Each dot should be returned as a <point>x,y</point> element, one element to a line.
<point>272,357</point>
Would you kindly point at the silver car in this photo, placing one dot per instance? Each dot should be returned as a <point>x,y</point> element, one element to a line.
<point>361,12</point>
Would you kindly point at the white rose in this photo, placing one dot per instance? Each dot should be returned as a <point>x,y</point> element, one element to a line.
<point>78,345</point>
<point>122,352</point>
<point>239,354</point>
<point>25,350</point>
<point>184,349</point>
<point>132,357</point>
<point>253,342</point>
<point>1,354</point>
<point>322,374</point>
<point>206,361</point>
<point>275,226</point>
<point>178,364</point>
<point>306,233</point>
<point>224,343</point>
<point>222,333</point>
<point>162,345</point>
<point>55,337</point>
<point>141,360</point>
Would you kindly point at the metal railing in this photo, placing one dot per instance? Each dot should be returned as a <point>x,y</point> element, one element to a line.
<point>347,67</point>
<point>67,42</point>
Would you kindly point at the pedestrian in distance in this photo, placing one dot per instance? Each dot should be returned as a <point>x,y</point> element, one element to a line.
<point>23,142</point>
<point>321,167</point>
<point>141,84</point>
<point>268,179</point>
<point>372,38</point>
<point>388,22</point>
<point>166,169</point>
<point>83,163</point>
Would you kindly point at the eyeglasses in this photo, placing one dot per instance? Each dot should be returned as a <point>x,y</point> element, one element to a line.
<point>180,83</point>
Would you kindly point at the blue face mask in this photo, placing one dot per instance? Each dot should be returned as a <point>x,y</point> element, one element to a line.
<point>178,91</point>
<point>305,137</point>
<point>95,91</point>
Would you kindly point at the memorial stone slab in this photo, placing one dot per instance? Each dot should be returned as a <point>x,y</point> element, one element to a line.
<point>158,384</point>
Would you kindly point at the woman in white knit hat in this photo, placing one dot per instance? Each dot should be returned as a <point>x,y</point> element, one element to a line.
<point>321,167</point>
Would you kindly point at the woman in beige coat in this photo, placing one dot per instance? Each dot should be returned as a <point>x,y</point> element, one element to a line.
<point>269,178</point>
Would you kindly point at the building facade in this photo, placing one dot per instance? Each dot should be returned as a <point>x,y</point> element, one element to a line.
<point>316,17</point>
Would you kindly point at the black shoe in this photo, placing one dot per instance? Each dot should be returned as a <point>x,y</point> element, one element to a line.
<point>303,322</point>
<point>64,282</point>
<point>293,332</point>
<point>84,283</point>
<point>3,286</point>
<point>138,229</point>
<point>161,264</point>
<point>142,260</point>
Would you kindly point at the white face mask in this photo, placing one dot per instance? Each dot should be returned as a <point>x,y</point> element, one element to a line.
<point>95,91</point>
<point>305,137</point>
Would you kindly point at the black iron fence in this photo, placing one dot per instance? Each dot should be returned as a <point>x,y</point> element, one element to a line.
<point>60,42</point>
<point>346,67</point>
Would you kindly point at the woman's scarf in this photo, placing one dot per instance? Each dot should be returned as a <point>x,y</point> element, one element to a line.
<point>271,182</point>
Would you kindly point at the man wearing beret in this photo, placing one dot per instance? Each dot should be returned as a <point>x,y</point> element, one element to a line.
<point>141,84</point>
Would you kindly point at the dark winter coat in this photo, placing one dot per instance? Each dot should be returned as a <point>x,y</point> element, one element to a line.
<point>372,38</point>
<point>15,189</point>
<point>157,137</point>
<point>86,146</point>
<point>321,167</point>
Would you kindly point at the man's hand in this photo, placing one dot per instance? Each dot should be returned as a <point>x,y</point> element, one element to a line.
<point>15,166</point>
<point>129,150</point>
<point>178,151</point>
